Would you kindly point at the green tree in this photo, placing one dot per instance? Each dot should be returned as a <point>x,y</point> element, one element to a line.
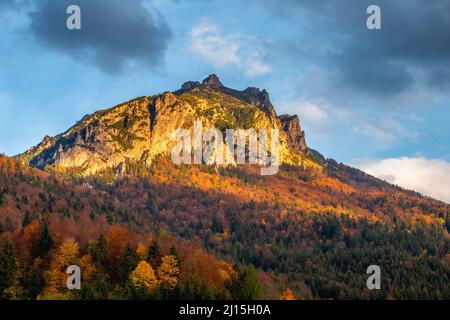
<point>26,219</point>
<point>45,242</point>
<point>248,286</point>
<point>99,252</point>
<point>97,288</point>
<point>154,255</point>
<point>8,265</point>
<point>35,282</point>
<point>173,252</point>
<point>129,262</point>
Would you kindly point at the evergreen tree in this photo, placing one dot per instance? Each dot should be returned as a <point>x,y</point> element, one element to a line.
<point>173,252</point>
<point>129,262</point>
<point>35,281</point>
<point>99,252</point>
<point>26,219</point>
<point>217,226</point>
<point>97,288</point>
<point>45,242</point>
<point>248,286</point>
<point>8,265</point>
<point>154,255</point>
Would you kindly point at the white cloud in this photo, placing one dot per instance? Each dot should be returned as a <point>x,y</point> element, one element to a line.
<point>257,66</point>
<point>428,176</point>
<point>384,129</point>
<point>313,113</point>
<point>207,40</point>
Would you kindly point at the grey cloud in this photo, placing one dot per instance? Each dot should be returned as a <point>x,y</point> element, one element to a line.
<point>413,47</point>
<point>114,35</point>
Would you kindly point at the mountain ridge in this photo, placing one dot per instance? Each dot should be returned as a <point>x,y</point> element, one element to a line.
<point>139,130</point>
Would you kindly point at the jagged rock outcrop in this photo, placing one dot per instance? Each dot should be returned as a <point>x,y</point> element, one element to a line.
<point>213,82</point>
<point>141,129</point>
<point>296,137</point>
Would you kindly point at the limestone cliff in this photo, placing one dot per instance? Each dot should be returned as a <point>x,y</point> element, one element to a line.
<point>140,130</point>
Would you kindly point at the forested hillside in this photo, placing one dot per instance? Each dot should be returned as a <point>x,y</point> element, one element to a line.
<point>207,232</point>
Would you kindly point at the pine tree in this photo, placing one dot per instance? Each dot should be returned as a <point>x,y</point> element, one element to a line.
<point>249,287</point>
<point>216,226</point>
<point>35,281</point>
<point>154,255</point>
<point>26,219</point>
<point>129,262</point>
<point>99,252</point>
<point>8,265</point>
<point>45,242</point>
<point>97,286</point>
<point>173,252</point>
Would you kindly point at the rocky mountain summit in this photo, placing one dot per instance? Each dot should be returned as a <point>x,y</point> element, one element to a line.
<point>141,129</point>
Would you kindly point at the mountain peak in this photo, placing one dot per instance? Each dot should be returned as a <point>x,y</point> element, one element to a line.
<point>210,82</point>
<point>140,130</point>
<point>213,82</point>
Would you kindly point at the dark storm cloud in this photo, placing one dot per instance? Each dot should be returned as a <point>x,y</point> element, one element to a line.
<point>413,47</point>
<point>114,33</point>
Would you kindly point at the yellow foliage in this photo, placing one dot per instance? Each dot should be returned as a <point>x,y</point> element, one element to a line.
<point>144,277</point>
<point>287,295</point>
<point>56,282</point>
<point>141,251</point>
<point>67,254</point>
<point>168,271</point>
<point>87,267</point>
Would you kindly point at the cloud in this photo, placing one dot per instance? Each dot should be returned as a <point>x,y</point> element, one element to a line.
<point>384,130</point>
<point>207,40</point>
<point>311,112</point>
<point>428,176</point>
<point>114,34</point>
<point>256,66</point>
<point>220,51</point>
<point>325,118</point>
<point>411,52</point>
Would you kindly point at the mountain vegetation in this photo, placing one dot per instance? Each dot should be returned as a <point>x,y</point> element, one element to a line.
<point>105,196</point>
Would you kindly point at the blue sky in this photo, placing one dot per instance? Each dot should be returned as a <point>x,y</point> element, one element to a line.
<point>373,99</point>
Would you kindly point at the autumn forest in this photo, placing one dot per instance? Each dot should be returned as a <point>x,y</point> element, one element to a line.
<point>199,232</point>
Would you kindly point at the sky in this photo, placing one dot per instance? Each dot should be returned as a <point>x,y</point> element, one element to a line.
<point>375,99</point>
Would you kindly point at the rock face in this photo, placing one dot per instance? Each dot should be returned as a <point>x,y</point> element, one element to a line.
<point>212,82</point>
<point>141,129</point>
<point>296,137</point>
